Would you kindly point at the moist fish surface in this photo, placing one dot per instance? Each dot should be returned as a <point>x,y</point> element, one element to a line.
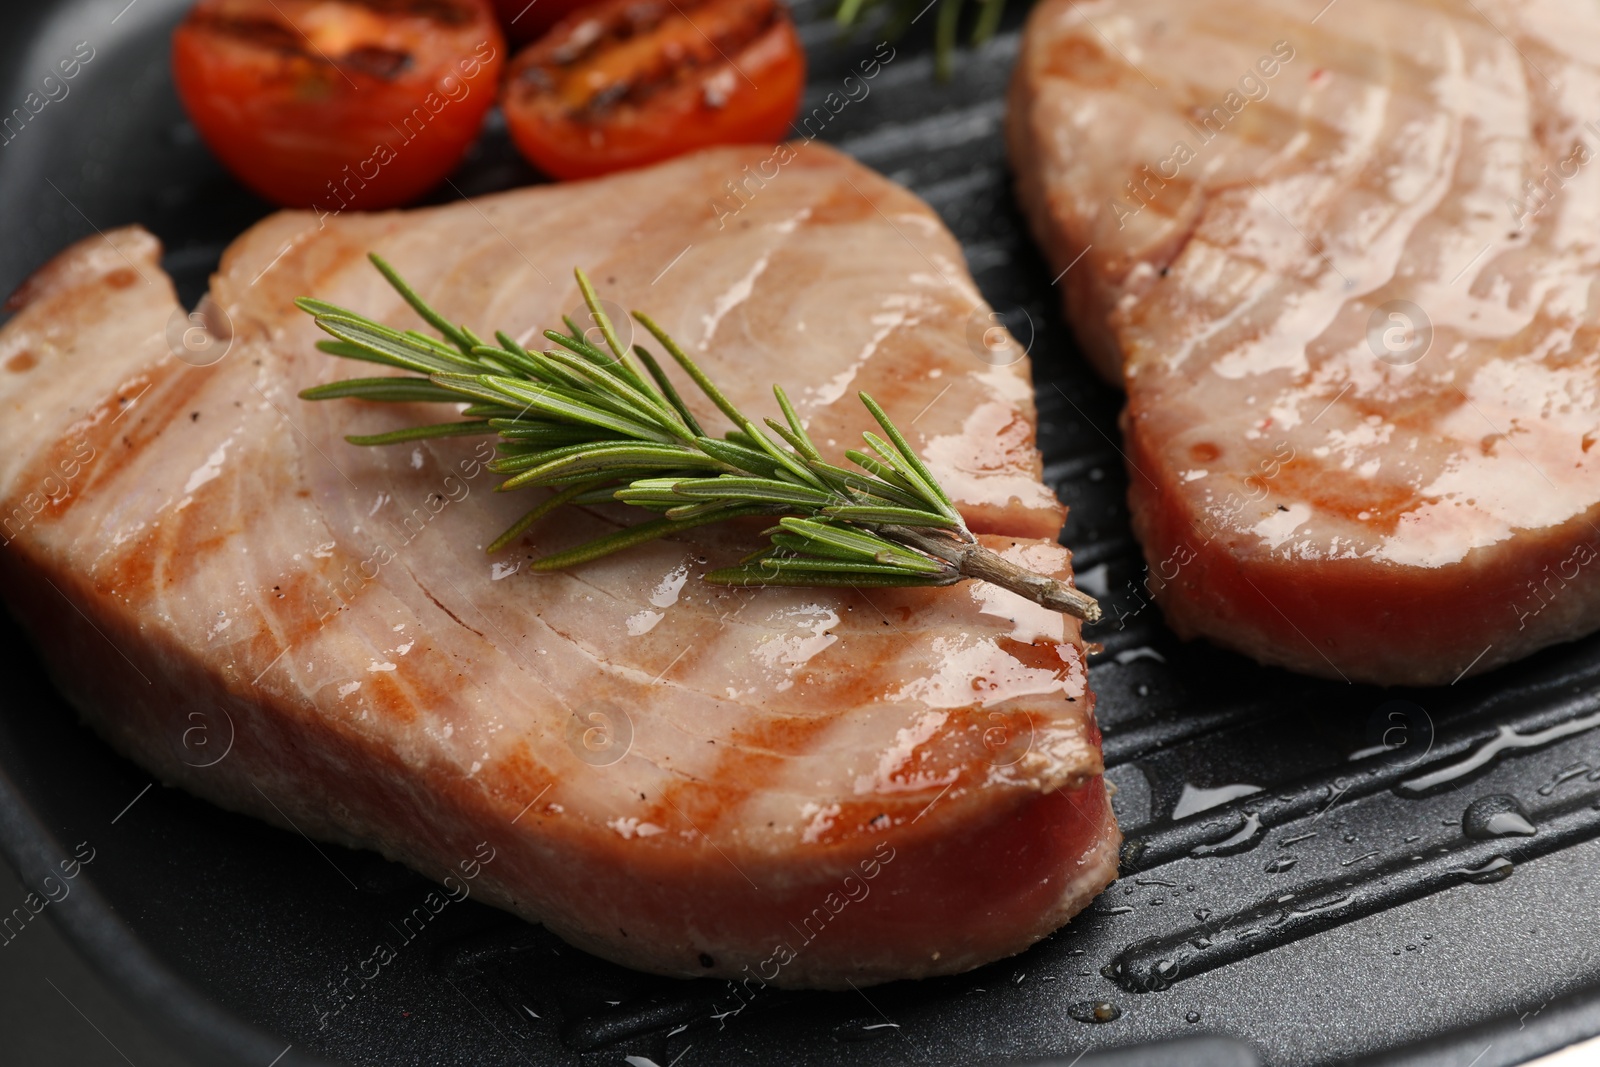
<point>1343,262</point>
<point>802,787</point>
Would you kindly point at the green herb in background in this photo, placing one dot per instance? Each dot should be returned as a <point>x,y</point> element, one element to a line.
<point>595,426</point>
<point>902,13</point>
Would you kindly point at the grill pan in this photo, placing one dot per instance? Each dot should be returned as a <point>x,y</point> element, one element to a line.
<point>1299,885</point>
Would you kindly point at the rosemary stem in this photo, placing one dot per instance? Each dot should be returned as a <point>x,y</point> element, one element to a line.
<point>972,560</point>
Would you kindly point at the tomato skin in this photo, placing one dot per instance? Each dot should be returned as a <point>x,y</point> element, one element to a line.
<point>312,126</point>
<point>746,94</point>
<point>524,21</point>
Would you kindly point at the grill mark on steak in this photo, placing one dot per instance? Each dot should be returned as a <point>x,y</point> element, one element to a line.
<point>441,606</point>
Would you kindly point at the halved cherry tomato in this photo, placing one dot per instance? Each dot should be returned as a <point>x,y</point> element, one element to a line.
<point>629,82</point>
<point>338,104</point>
<point>527,20</point>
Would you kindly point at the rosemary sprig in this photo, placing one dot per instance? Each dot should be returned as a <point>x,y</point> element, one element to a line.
<point>902,13</point>
<point>593,425</point>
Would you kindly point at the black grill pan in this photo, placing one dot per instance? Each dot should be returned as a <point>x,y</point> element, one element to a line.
<point>1336,912</point>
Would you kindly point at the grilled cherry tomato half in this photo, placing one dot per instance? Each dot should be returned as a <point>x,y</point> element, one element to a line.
<point>330,105</point>
<point>526,20</point>
<point>628,82</point>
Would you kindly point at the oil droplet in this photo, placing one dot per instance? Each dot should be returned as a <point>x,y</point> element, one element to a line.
<point>1095,1011</point>
<point>1505,739</point>
<point>1192,1017</point>
<point>1562,777</point>
<point>1496,870</point>
<point>1196,799</point>
<point>1278,866</point>
<point>865,1030</point>
<point>1496,815</point>
<point>1311,908</point>
<point>1202,914</point>
<point>1237,842</point>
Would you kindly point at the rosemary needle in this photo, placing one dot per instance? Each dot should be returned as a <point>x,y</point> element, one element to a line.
<point>592,426</point>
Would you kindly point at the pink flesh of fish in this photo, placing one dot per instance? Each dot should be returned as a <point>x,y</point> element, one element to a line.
<point>801,787</point>
<point>1360,350</point>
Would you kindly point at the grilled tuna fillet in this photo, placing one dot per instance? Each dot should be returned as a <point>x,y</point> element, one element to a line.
<point>799,787</point>
<point>1344,265</point>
